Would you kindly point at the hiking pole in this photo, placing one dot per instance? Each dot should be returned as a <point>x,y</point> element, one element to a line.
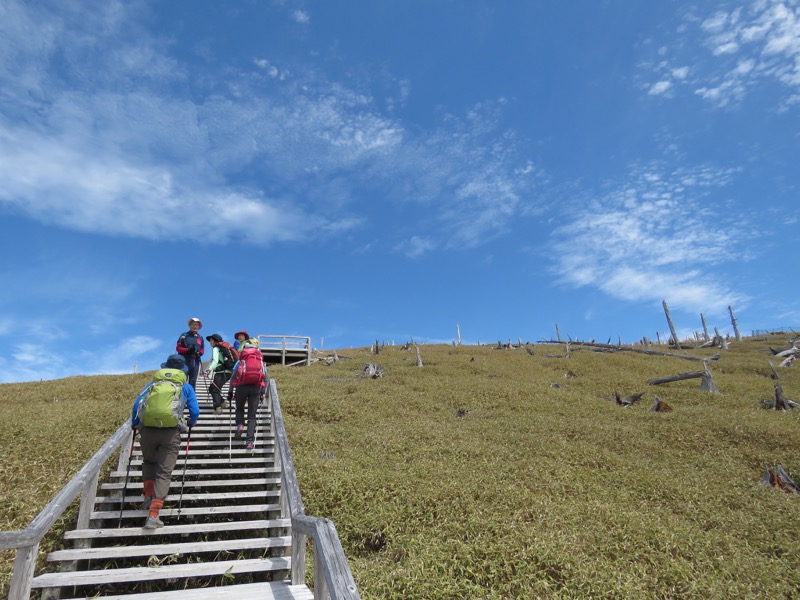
<point>125,485</point>
<point>230,422</point>
<point>185,463</point>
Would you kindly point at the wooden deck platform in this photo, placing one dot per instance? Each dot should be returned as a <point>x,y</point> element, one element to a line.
<point>285,349</point>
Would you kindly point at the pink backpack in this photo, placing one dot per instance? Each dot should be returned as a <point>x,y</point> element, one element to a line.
<point>251,367</point>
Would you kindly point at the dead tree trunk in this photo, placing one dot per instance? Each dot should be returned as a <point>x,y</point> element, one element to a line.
<point>419,357</point>
<point>707,382</point>
<point>558,333</point>
<point>735,326</point>
<point>723,343</point>
<point>706,337</point>
<point>671,326</point>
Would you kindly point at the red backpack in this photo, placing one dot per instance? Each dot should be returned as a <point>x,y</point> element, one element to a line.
<point>251,366</point>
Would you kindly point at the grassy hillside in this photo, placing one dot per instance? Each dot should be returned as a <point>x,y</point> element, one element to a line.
<point>490,474</point>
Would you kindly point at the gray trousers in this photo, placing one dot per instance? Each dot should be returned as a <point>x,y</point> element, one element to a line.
<point>248,395</point>
<point>160,447</point>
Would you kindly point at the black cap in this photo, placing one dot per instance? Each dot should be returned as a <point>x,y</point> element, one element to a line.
<point>214,336</point>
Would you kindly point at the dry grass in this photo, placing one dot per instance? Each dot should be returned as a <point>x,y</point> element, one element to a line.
<point>489,474</point>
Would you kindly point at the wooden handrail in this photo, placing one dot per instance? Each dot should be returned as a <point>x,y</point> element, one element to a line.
<point>26,542</point>
<point>332,576</point>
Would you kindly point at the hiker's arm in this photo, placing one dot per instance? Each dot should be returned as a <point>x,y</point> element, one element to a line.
<point>135,409</point>
<point>191,403</point>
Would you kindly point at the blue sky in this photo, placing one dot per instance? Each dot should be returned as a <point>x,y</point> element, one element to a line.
<point>365,170</point>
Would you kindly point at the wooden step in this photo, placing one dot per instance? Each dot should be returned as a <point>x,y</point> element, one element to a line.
<point>190,483</point>
<point>179,571</point>
<point>186,511</point>
<point>137,474</point>
<point>183,548</point>
<point>98,533</point>
<point>271,590</point>
<point>194,497</point>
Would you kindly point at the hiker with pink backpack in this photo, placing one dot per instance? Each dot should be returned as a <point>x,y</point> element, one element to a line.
<point>249,385</point>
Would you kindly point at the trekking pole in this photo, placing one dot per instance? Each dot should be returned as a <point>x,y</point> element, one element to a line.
<point>125,485</point>
<point>185,463</point>
<point>230,426</point>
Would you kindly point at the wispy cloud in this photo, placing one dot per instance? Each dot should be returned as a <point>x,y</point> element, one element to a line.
<point>751,45</point>
<point>301,16</point>
<point>415,246</point>
<point>649,239</point>
<point>110,140</point>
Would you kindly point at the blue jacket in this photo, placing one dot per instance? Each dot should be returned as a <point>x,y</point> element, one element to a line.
<point>190,346</point>
<point>189,399</point>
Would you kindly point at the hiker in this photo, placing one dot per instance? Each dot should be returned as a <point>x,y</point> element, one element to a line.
<point>158,414</point>
<point>223,357</point>
<point>249,384</point>
<point>190,346</point>
<point>239,339</point>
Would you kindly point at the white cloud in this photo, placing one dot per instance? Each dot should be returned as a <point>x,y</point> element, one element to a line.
<point>662,87</point>
<point>753,45</point>
<point>415,246</point>
<point>301,16</point>
<point>650,240</point>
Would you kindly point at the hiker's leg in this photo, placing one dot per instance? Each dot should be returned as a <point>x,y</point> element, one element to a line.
<point>168,449</point>
<point>148,442</point>
<point>252,410</point>
<point>194,369</point>
<point>241,399</point>
<point>225,377</point>
<point>214,389</point>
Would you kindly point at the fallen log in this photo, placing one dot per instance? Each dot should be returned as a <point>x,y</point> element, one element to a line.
<point>678,377</point>
<point>638,350</point>
<point>628,400</point>
<point>707,383</point>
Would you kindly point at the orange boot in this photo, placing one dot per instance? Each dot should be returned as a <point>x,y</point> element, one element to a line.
<point>153,522</point>
<point>149,492</point>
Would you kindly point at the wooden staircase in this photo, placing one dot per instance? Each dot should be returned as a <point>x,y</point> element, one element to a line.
<point>224,533</point>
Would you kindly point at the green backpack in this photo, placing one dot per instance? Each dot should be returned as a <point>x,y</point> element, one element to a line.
<point>162,405</point>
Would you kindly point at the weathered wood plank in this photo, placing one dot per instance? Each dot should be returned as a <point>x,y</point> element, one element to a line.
<point>195,497</point>
<point>177,529</point>
<point>180,571</point>
<point>273,590</point>
<point>202,510</point>
<point>205,472</point>
<point>205,483</point>
<point>164,549</point>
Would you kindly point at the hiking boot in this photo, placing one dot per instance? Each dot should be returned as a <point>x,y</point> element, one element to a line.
<point>240,430</point>
<point>153,522</point>
<point>146,503</point>
<point>218,410</point>
<point>249,445</point>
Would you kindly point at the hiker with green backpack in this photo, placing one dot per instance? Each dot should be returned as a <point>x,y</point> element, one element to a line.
<point>158,415</point>
<point>223,357</point>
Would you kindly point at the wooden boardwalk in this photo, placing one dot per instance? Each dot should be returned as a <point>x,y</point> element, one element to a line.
<point>224,534</point>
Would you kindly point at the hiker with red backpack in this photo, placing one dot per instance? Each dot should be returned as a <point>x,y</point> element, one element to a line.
<point>158,415</point>
<point>223,357</point>
<point>249,384</point>
<point>190,347</point>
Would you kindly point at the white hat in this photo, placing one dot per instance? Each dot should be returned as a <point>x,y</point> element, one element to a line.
<point>193,319</point>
